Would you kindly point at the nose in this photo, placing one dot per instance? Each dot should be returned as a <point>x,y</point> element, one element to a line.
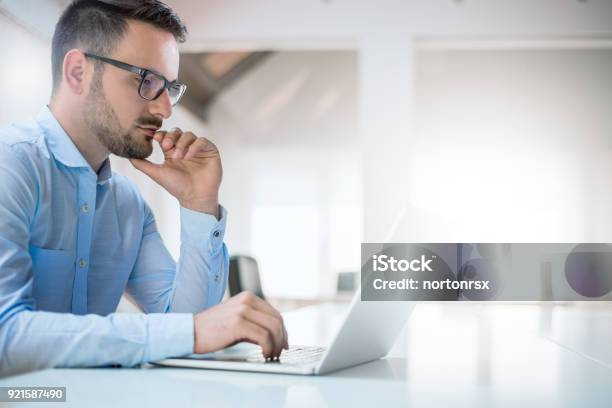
<point>162,106</point>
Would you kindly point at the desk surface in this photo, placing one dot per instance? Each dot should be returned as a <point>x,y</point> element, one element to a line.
<point>450,354</point>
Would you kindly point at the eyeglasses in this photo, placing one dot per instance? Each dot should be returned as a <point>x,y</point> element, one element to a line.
<point>152,84</point>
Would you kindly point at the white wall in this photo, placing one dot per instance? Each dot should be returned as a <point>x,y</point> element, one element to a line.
<point>558,192</point>
<point>25,72</point>
<point>289,141</point>
<point>511,146</point>
<point>384,33</point>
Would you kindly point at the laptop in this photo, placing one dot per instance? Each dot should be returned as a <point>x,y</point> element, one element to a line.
<point>367,333</point>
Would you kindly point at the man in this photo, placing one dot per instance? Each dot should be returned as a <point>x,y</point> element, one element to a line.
<point>74,236</point>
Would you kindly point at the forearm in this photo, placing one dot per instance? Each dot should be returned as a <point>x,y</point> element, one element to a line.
<point>32,340</point>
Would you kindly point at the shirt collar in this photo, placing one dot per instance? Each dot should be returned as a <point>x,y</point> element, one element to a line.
<point>62,146</point>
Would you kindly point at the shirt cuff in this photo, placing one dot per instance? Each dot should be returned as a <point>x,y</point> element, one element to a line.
<point>203,230</point>
<point>169,335</point>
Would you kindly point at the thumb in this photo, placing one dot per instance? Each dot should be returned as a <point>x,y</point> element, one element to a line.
<point>150,169</point>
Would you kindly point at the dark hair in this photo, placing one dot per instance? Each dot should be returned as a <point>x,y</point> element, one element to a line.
<point>97,26</point>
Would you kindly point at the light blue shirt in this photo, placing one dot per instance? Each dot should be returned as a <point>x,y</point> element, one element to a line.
<point>72,241</point>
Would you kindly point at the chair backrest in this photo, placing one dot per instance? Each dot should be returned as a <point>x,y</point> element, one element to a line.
<point>347,282</point>
<point>244,275</point>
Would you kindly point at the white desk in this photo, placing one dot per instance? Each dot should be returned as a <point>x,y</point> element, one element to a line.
<point>451,354</point>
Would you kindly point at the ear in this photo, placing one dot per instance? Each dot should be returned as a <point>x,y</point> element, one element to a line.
<point>76,71</point>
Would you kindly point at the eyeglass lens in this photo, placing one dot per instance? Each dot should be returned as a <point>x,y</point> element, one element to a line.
<point>152,85</point>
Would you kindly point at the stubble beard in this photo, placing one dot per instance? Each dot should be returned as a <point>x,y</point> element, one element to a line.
<point>102,121</point>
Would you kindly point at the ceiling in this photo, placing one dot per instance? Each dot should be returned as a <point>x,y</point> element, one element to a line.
<point>207,74</point>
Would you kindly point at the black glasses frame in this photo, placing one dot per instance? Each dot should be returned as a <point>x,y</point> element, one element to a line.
<point>143,73</point>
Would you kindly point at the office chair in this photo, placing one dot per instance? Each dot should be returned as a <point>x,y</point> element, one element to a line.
<point>347,282</point>
<point>244,275</point>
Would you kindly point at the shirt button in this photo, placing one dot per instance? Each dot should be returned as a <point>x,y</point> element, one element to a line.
<point>216,234</point>
<point>82,263</point>
<point>85,208</point>
<point>216,278</point>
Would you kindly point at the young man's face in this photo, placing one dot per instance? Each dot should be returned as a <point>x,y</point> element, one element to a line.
<point>113,110</point>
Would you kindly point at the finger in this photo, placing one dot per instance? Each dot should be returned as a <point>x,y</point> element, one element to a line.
<point>254,334</point>
<point>196,147</point>
<point>159,135</point>
<point>202,148</point>
<point>272,325</point>
<point>170,139</point>
<point>182,144</point>
<point>150,169</point>
<point>259,304</point>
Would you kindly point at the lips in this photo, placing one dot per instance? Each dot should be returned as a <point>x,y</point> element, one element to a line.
<point>148,131</point>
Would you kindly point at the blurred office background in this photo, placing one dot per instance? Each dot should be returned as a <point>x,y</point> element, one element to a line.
<point>341,122</point>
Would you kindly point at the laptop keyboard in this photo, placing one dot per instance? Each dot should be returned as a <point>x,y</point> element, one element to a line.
<point>295,355</point>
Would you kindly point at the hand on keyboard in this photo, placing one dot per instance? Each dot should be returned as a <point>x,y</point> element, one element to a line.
<point>243,317</point>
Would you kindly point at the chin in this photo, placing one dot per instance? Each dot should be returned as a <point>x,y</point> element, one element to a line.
<point>142,154</point>
<point>136,151</point>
